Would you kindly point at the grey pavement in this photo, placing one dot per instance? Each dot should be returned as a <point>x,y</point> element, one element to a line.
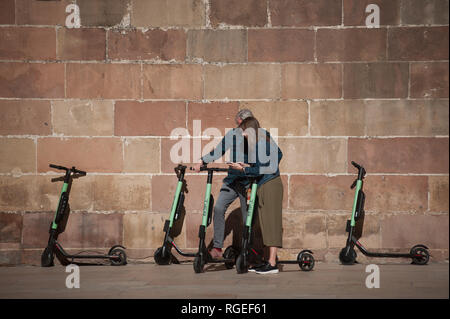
<point>148,280</point>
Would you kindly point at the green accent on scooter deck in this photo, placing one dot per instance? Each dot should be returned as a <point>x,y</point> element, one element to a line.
<point>206,205</point>
<point>358,188</point>
<point>64,189</point>
<point>175,202</point>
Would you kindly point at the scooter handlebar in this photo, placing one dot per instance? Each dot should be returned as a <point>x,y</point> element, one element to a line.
<point>356,165</point>
<point>58,167</point>
<point>214,169</point>
<point>179,168</point>
<point>361,173</point>
<point>83,173</point>
<point>73,169</point>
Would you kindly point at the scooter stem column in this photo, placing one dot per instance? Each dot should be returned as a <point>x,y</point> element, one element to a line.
<point>358,188</point>
<point>175,202</point>
<point>251,206</point>
<point>206,202</point>
<point>64,189</point>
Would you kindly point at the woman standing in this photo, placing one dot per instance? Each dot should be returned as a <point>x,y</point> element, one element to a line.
<point>270,187</point>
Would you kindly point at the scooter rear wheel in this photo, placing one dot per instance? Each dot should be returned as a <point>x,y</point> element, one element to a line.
<point>305,261</point>
<point>122,257</point>
<point>421,256</point>
<point>347,259</point>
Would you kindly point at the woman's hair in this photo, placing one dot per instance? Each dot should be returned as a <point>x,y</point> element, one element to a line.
<point>249,122</point>
<point>252,123</point>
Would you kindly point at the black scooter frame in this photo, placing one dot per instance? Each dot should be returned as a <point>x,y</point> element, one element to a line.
<point>419,253</point>
<point>163,255</point>
<point>116,254</point>
<point>305,259</point>
<point>203,256</point>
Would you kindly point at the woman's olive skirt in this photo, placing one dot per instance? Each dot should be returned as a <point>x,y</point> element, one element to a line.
<point>270,205</point>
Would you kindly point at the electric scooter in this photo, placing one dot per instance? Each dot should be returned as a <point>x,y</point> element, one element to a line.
<point>163,255</point>
<point>419,253</point>
<point>116,254</point>
<point>203,257</point>
<point>305,259</point>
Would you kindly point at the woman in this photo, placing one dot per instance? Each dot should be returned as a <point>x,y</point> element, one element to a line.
<point>270,187</point>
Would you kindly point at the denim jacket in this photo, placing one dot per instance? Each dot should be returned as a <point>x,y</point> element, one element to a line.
<point>264,160</point>
<point>237,144</point>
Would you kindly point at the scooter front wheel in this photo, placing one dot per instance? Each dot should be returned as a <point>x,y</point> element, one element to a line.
<point>199,264</point>
<point>47,258</point>
<point>162,256</point>
<point>305,261</point>
<point>241,264</point>
<point>347,258</point>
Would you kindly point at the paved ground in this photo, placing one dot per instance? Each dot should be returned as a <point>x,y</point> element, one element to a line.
<point>180,281</point>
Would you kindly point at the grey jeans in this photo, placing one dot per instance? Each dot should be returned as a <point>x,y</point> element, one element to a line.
<point>227,195</point>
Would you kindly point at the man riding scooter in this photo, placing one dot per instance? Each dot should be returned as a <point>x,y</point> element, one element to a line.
<point>234,186</point>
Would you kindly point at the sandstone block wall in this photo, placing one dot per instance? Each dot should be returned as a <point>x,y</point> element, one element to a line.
<point>105,98</point>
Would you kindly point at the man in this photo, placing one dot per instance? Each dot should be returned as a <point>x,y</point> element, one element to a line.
<point>234,185</point>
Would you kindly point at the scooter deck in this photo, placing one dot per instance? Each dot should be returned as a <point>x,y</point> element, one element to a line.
<point>381,254</point>
<point>68,256</point>
<point>179,251</point>
<point>220,260</point>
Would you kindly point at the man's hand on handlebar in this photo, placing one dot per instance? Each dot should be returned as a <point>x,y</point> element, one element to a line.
<point>237,166</point>
<point>198,166</point>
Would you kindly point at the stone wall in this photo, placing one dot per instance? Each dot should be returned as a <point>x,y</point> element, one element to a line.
<point>105,98</point>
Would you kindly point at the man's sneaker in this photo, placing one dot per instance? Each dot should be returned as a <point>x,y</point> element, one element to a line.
<point>267,269</point>
<point>216,253</point>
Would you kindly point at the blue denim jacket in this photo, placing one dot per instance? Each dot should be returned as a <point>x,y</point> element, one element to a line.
<point>236,143</point>
<point>264,160</point>
<point>268,157</point>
